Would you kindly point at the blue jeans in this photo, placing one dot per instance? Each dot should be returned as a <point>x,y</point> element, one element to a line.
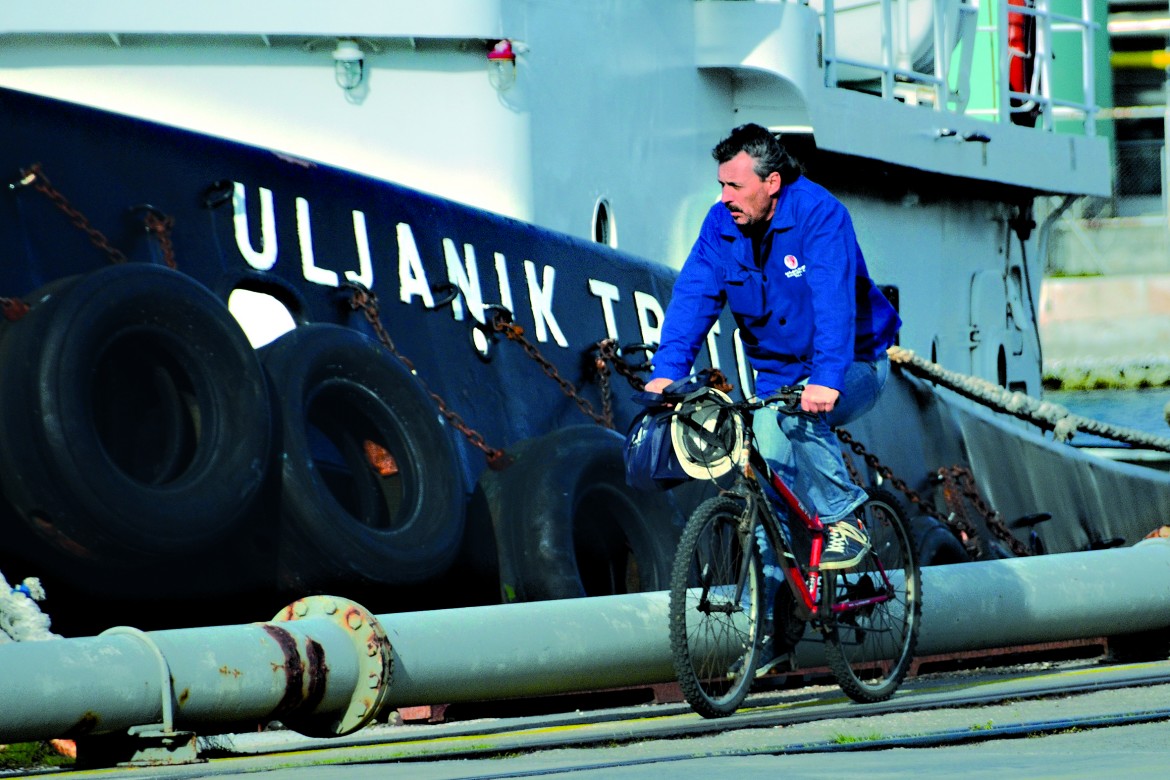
<point>807,455</point>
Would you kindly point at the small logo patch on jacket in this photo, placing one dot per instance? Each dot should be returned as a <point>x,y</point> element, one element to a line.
<point>794,264</point>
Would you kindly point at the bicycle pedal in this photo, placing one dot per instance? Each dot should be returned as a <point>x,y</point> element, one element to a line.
<point>783,658</point>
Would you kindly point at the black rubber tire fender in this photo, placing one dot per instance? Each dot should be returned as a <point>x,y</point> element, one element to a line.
<point>334,388</point>
<point>567,525</point>
<point>136,416</point>
<point>935,543</point>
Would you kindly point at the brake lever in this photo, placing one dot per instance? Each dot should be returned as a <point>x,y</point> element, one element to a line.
<point>787,401</point>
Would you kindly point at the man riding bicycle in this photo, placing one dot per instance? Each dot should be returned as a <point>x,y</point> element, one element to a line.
<point>781,252</point>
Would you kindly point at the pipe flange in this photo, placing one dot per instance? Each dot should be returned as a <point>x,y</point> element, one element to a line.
<point>371,648</point>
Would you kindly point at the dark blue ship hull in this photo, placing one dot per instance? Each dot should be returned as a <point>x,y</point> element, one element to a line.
<point>245,218</point>
<point>153,463</point>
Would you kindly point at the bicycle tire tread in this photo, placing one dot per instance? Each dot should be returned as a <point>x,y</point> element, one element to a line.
<point>695,689</point>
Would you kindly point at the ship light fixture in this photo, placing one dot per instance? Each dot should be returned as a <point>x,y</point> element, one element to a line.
<point>502,66</point>
<point>348,65</point>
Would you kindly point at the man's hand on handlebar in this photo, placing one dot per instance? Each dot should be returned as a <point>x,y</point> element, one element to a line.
<point>658,385</point>
<point>818,398</point>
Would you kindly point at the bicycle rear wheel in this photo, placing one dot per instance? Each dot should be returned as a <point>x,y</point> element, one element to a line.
<point>716,594</point>
<point>870,646</point>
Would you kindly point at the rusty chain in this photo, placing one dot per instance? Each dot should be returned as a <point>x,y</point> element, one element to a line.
<point>13,308</point>
<point>966,484</point>
<point>958,483</point>
<point>364,300</point>
<point>609,353</point>
<point>502,323</point>
<point>160,225</point>
<point>602,369</point>
<point>957,517</point>
<point>955,481</point>
<point>157,224</point>
<point>885,471</point>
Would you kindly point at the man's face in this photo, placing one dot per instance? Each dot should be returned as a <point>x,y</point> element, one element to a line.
<point>749,198</point>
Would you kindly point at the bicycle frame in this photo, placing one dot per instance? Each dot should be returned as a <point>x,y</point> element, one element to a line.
<point>866,616</point>
<point>805,586</point>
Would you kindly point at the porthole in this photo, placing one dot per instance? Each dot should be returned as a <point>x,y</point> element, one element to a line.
<point>604,229</point>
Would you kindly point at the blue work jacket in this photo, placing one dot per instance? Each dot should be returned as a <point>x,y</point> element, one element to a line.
<point>807,311</point>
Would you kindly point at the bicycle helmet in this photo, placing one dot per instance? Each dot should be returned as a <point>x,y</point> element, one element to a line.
<point>706,436</point>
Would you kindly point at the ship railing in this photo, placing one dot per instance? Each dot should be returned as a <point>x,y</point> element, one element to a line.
<point>947,87</point>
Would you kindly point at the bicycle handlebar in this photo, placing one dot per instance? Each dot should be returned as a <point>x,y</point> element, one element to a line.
<point>785,400</point>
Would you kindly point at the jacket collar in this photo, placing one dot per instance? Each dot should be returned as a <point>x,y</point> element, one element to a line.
<point>783,218</point>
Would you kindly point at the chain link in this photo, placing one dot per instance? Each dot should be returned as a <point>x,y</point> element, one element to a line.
<point>157,224</point>
<point>611,354</point>
<point>160,225</point>
<point>602,369</point>
<point>957,516</point>
<point>886,472</point>
<point>502,323</point>
<point>958,483</point>
<point>364,300</point>
<point>993,519</point>
<point>13,308</point>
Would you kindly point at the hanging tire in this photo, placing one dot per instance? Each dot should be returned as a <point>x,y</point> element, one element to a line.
<point>567,525</point>
<point>342,520</point>
<point>136,417</point>
<point>935,543</point>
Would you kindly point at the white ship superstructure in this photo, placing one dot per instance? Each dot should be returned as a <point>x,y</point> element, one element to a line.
<point>605,131</point>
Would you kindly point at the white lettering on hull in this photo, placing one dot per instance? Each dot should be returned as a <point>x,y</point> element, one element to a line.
<point>647,305</point>
<point>540,295</point>
<point>505,284</point>
<point>309,268</point>
<point>609,295</point>
<point>412,279</point>
<point>711,345</point>
<point>365,274</point>
<point>463,272</point>
<point>266,257</point>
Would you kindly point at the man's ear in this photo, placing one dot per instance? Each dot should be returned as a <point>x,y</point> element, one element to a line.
<point>773,181</point>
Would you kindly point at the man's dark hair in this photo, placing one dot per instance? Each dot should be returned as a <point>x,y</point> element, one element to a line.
<point>763,147</point>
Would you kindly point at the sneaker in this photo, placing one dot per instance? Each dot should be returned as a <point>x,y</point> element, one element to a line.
<point>847,545</point>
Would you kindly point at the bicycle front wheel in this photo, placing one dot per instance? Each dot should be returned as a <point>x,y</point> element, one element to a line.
<point>716,593</point>
<point>872,612</point>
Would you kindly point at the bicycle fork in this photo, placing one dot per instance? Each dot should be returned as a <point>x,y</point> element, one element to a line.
<point>745,535</point>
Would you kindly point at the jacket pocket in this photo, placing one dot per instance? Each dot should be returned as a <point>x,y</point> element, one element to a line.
<point>745,295</point>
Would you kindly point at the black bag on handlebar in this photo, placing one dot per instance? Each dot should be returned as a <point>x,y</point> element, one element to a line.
<point>651,463</point>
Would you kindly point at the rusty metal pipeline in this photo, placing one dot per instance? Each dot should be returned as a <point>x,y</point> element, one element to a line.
<point>322,666</point>
<point>326,666</point>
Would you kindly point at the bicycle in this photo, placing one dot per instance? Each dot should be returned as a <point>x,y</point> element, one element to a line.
<point>868,616</point>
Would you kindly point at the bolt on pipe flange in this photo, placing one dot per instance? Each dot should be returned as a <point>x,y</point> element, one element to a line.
<point>372,649</point>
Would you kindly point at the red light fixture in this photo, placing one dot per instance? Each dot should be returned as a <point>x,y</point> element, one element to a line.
<point>502,66</point>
